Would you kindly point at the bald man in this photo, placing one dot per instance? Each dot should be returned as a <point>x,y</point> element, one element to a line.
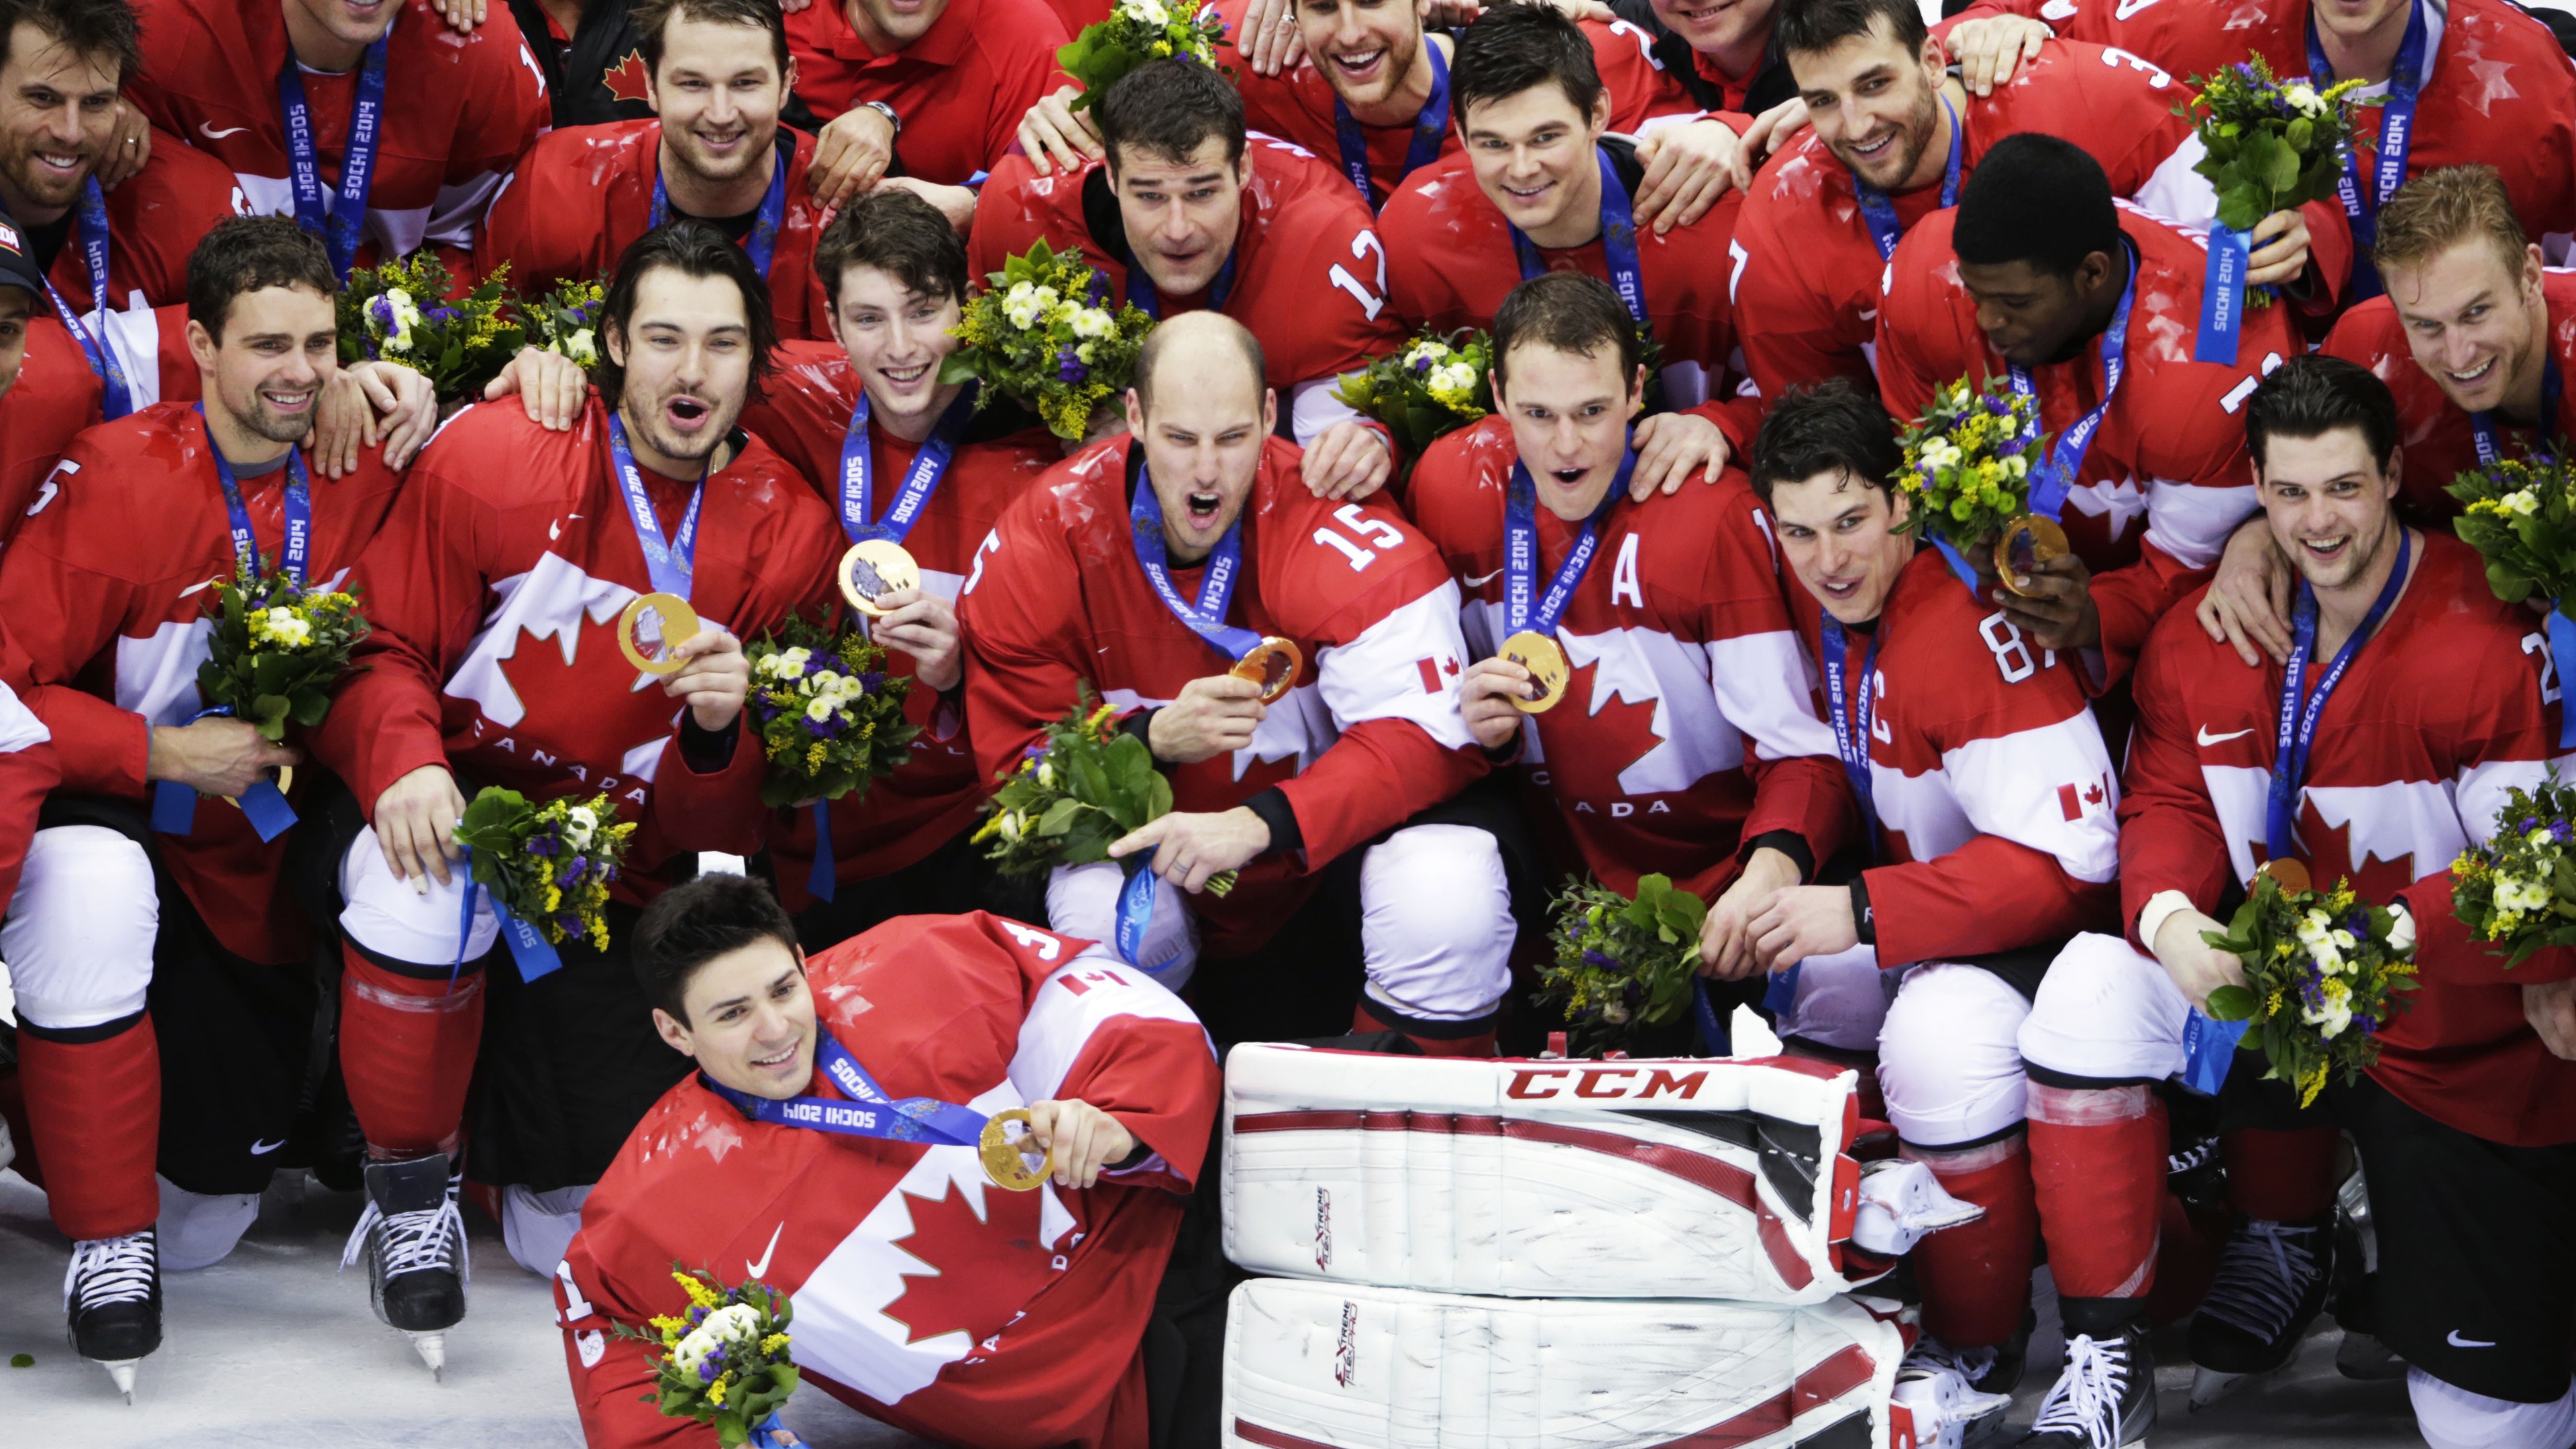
<point>1180,570</point>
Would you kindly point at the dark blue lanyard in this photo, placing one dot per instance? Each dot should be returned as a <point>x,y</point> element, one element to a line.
<point>119,394</point>
<point>869,1112</point>
<point>2298,727</point>
<point>2362,199</point>
<point>1430,133</point>
<point>1141,293</point>
<point>2483,424</point>
<point>1216,587</point>
<point>1618,244</point>
<point>858,469</point>
<point>1853,722</point>
<point>299,513</point>
<point>762,244</point>
<point>2057,473</point>
<point>1523,606</point>
<point>671,565</point>
<point>1879,211</point>
<point>345,222</point>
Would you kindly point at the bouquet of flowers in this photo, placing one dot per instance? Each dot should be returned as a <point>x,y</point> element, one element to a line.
<point>1073,797</point>
<point>400,312</point>
<point>565,321</point>
<point>1621,963</point>
<point>2271,147</point>
<point>1968,461</point>
<point>548,865</point>
<point>2520,515</point>
<point>1135,32</point>
<point>1435,386</point>
<point>725,1362</point>
<point>1045,331</point>
<point>278,650</point>
<point>2519,889</point>
<point>831,718</point>
<point>2322,973</point>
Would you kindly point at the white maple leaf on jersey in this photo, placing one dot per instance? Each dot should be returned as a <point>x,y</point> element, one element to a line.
<point>1630,665</point>
<point>547,602</point>
<point>2122,499</point>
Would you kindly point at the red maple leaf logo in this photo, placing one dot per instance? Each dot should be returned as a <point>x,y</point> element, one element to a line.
<point>2330,858</point>
<point>591,704</point>
<point>975,1275</point>
<point>626,80</point>
<point>1616,736</point>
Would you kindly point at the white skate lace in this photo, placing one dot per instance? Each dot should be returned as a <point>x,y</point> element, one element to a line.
<point>2085,1400</point>
<point>2198,1155</point>
<point>410,1242</point>
<point>2262,1278</point>
<point>111,1270</point>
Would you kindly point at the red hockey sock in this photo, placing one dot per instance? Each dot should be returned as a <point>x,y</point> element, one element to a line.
<point>1976,1277</point>
<point>407,1053</point>
<point>1479,1045</point>
<point>2186,1260</point>
<point>94,1109</point>
<point>2282,1177</point>
<point>2097,1160</point>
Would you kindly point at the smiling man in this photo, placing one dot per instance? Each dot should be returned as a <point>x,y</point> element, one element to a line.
<point>928,1294</point>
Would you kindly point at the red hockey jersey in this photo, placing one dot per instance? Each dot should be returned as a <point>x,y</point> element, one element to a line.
<point>2440,445</point>
<point>1369,736</point>
<point>154,220</point>
<point>105,590</point>
<point>1309,271</point>
<point>961,89</point>
<point>1692,727</point>
<point>581,197</point>
<point>495,588</point>
<point>1993,789</point>
<point>925,1295</point>
<point>56,396</point>
<point>2172,447</point>
<point>1807,273</point>
<point>2437,715</point>
<point>29,770</point>
<point>914,811</point>
<point>458,111</point>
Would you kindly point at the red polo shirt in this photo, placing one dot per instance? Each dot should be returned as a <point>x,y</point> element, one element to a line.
<point>961,89</point>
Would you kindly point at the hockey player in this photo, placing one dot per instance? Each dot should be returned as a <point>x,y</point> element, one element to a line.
<point>898,455</point>
<point>2412,699</point>
<point>496,590</point>
<point>1188,211</point>
<point>717,73</point>
<point>1027,1329</point>
<point>104,591</point>
<point>1988,796</point>
<point>939,86</point>
<point>1150,566</point>
<point>368,121</point>
<point>1894,137</point>
<point>2094,307</point>
<point>1691,744</point>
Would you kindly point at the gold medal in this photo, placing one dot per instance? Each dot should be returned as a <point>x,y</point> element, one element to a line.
<point>2026,543</point>
<point>1538,654</point>
<point>874,568</point>
<point>2288,874</point>
<point>651,627</point>
<point>1273,665</point>
<point>285,782</point>
<point>1006,1159</point>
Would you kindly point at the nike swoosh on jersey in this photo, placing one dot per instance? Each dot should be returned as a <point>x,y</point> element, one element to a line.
<point>1478,581</point>
<point>761,1268</point>
<point>2458,1342</point>
<point>2207,739</point>
<point>211,134</point>
<point>262,1149</point>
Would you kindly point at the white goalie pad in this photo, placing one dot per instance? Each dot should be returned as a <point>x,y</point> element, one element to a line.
<point>1328,1366</point>
<point>1544,1178</point>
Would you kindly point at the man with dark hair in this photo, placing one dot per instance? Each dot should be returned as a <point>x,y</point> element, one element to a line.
<point>2041,277</point>
<point>379,137</point>
<point>1539,189</point>
<point>938,85</point>
<point>1046,1276</point>
<point>1894,135</point>
<point>2423,703</point>
<point>717,73</point>
<point>1714,769</point>
<point>1183,214</point>
<point>1305,705</point>
<point>104,593</point>
<point>499,591</point>
<point>898,455</point>
<point>1988,798</point>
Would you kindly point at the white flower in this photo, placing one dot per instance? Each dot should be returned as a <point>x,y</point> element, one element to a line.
<point>792,661</point>
<point>729,1326</point>
<point>578,825</point>
<point>282,626</point>
<point>2017,465</point>
<point>1083,354</point>
<point>2524,502</point>
<point>1012,826</point>
<point>819,710</point>
<point>2333,1012</point>
<point>1941,453</point>
<point>2302,96</point>
<point>1021,318</point>
<point>1022,294</point>
<point>2512,894</point>
<point>1093,322</point>
<point>583,348</point>
<point>1046,774</point>
<point>1150,11</point>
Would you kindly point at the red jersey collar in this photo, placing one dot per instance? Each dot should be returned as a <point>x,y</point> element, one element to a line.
<point>944,43</point>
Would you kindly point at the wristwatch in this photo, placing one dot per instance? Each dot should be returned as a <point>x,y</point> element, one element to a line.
<point>887,111</point>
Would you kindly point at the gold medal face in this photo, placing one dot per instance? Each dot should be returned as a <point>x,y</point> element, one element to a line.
<point>651,627</point>
<point>1273,666</point>
<point>285,782</point>
<point>1006,1158</point>
<point>2025,543</point>
<point>2288,874</point>
<point>1538,654</point>
<point>874,568</point>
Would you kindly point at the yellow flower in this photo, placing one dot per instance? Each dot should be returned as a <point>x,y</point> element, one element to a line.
<point>716,1390</point>
<point>773,1343</point>
<point>699,1293</point>
<point>2312,1082</point>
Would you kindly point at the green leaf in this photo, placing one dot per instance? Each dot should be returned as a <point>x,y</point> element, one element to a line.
<point>2232,1003</point>
<point>1060,816</point>
<point>2270,163</point>
<point>2240,207</point>
<point>2300,134</point>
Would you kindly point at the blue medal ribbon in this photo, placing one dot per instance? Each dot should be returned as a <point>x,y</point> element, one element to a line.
<point>533,954</point>
<point>343,224</point>
<point>2362,196</point>
<point>1523,606</point>
<point>868,1112</point>
<point>670,565</point>
<point>1853,723</point>
<point>118,393</point>
<point>762,244</point>
<point>1618,244</point>
<point>1878,210</point>
<point>2482,425</point>
<point>1141,293</point>
<point>2222,296</point>
<point>174,806</point>
<point>1430,133</point>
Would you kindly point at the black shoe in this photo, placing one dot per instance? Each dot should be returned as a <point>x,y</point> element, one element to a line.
<point>2104,1398</point>
<point>2271,1285</point>
<point>112,1297</point>
<point>413,1239</point>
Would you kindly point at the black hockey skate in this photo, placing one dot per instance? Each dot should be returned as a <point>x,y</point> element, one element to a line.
<point>2104,1398</point>
<point>413,1240</point>
<point>2271,1285</point>
<point>112,1299</point>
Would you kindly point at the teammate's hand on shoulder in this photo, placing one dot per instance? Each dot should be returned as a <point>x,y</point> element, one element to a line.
<point>403,407</point>
<point>2248,603</point>
<point>216,755</point>
<point>716,679</point>
<point>922,625</point>
<point>2280,251</point>
<point>850,154</point>
<point>1465,12</point>
<point>2054,609</point>
<point>1350,460</point>
<point>1054,134</point>
<point>343,423</point>
<point>1773,129</point>
<point>129,146</point>
<point>2197,967</point>
<point>1726,939</point>
<point>461,15</point>
<point>1081,1140</point>
<point>1189,848</point>
<point>552,387</point>
<point>1989,49</point>
<point>1214,715</point>
<point>1672,448</point>
<point>1485,695</point>
<point>1688,166</point>
<point>415,822</point>
<point>1268,39</point>
<point>1803,921</point>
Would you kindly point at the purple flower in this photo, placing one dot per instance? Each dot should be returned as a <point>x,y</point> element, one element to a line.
<point>382,309</point>
<point>542,843</point>
<point>706,1370</point>
<point>1069,367</point>
<point>1599,962</point>
<point>2530,823</point>
<point>443,315</point>
<point>2368,1023</point>
<point>1422,363</point>
<point>572,871</point>
<point>870,683</point>
<point>608,872</point>
<point>1997,406</point>
<point>2311,994</point>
